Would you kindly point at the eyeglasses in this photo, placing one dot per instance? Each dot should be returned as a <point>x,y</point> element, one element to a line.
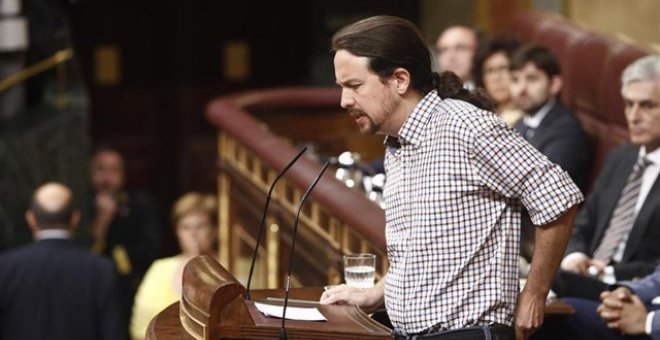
<point>489,71</point>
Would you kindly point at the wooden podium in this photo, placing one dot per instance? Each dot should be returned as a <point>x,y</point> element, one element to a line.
<point>213,306</point>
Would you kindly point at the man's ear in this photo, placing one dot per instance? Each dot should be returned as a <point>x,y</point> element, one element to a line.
<point>31,220</point>
<point>401,77</point>
<point>556,83</point>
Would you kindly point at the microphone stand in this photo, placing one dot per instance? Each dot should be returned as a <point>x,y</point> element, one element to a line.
<point>293,247</point>
<point>263,217</point>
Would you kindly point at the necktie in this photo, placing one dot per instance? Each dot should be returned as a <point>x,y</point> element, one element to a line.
<point>526,131</point>
<point>622,220</point>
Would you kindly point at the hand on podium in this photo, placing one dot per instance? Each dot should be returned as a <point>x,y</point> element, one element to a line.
<point>369,300</point>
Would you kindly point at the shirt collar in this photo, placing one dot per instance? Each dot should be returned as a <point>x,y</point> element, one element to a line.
<point>412,130</point>
<point>52,234</point>
<point>653,156</point>
<point>535,120</point>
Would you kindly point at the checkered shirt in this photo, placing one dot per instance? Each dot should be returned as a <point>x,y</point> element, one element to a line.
<point>457,178</point>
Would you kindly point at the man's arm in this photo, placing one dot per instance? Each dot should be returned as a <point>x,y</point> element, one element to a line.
<point>367,299</point>
<point>634,270</point>
<point>104,214</point>
<point>593,212</point>
<point>551,241</point>
<point>647,288</point>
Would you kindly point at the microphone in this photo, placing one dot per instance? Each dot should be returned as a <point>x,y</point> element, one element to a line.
<point>293,246</point>
<point>263,217</point>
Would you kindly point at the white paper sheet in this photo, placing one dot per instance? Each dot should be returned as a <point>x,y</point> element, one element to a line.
<point>292,313</point>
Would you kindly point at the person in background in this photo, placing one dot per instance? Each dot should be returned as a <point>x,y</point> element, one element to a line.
<point>455,49</point>
<point>492,64</point>
<point>52,288</point>
<point>193,217</point>
<point>548,125</point>
<point>125,225</point>
<point>616,235</point>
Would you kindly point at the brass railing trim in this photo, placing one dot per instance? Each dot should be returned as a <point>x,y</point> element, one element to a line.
<point>58,58</point>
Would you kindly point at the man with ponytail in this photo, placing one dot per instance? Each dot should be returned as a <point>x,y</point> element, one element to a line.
<point>458,177</point>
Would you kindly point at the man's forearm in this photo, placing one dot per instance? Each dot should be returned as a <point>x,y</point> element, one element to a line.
<point>551,241</point>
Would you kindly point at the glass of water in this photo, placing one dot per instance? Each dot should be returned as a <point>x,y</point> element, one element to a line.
<point>360,270</point>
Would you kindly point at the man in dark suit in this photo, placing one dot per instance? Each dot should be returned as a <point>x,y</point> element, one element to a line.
<point>616,235</point>
<point>547,124</point>
<point>53,289</point>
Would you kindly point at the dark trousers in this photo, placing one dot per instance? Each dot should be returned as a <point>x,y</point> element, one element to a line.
<point>569,284</point>
<point>584,324</point>
<point>493,332</point>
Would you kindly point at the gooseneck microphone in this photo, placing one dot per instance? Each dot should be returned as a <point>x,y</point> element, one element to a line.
<point>293,247</point>
<point>263,217</point>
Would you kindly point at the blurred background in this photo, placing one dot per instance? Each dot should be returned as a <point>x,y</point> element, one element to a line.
<point>138,74</point>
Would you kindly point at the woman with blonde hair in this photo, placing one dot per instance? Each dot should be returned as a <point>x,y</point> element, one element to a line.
<point>193,217</point>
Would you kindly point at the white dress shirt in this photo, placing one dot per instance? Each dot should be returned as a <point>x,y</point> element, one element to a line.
<point>52,234</point>
<point>535,120</point>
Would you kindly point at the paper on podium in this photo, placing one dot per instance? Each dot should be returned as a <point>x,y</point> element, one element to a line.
<point>292,313</point>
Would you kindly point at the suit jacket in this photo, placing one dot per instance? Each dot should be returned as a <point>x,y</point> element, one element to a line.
<point>642,252</point>
<point>53,289</point>
<point>560,138</point>
<point>647,289</point>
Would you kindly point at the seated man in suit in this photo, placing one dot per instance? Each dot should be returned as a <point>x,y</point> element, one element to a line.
<point>547,124</point>
<point>616,234</point>
<point>53,289</point>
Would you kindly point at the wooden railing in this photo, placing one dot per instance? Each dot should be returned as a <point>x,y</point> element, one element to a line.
<point>336,219</point>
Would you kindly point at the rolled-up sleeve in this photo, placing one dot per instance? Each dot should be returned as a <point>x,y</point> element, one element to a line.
<point>507,164</point>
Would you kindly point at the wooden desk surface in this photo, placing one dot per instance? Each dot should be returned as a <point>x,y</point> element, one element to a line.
<point>167,325</point>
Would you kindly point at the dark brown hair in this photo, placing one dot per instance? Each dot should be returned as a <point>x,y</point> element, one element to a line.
<point>540,56</point>
<point>503,43</point>
<point>390,43</point>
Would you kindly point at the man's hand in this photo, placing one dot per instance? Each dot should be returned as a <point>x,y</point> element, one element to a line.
<point>367,299</point>
<point>529,314</point>
<point>578,265</point>
<point>622,310</point>
<point>106,209</point>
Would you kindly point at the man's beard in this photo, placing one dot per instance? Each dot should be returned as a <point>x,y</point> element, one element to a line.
<point>535,108</point>
<point>373,127</point>
<point>366,129</point>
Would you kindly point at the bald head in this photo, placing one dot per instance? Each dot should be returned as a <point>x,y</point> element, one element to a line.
<point>51,207</point>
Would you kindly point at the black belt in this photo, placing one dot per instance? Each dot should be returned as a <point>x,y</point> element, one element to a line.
<point>491,332</point>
